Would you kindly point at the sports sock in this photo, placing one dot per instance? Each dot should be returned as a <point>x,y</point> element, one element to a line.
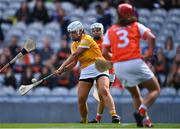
<point>84,119</point>
<point>142,110</point>
<point>142,106</point>
<point>113,113</point>
<point>98,117</point>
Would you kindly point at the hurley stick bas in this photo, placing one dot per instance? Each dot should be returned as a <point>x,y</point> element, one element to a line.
<point>29,46</point>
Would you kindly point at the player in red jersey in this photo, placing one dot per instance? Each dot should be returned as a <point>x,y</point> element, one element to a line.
<point>97,31</point>
<point>121,45</point>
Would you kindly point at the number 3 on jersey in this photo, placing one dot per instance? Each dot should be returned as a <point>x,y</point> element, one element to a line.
<point>123,36</point>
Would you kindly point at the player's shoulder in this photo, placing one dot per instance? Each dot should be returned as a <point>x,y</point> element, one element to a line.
<point>112,29</point>
<point>139,25</point>
<point>86,36</point>
<point>134,24</point>
<point>86,40</point>
<point>115,26</point>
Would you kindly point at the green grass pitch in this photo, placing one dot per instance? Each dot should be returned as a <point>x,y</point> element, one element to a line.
<point>80,126</point>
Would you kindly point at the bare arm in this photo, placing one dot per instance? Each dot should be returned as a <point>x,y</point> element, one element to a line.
<point>71,65</point>
<point>151,44</point>
<point>107,52</point>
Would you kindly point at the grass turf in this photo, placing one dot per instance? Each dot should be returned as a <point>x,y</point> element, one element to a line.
<point>77,125</point>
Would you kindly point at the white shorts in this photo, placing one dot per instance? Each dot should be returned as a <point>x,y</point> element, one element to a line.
<point>91,72</point>
<point>132,72</point>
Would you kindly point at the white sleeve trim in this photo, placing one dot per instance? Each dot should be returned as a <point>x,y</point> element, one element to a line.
<point>84,46</point>
<point>142,29</point>
<point>106,39</point>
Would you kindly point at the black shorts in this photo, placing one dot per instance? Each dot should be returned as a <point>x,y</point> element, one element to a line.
<point>91,80</point>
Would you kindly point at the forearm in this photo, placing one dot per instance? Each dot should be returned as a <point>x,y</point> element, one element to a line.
<point>107,54</point>
<point>151,45</point>
<point>69,60</point>
<point>70,66</point>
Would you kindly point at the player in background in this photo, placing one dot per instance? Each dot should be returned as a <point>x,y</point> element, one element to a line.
<point>97,31</point>
<point>85,50</point>
<point>121,45</point>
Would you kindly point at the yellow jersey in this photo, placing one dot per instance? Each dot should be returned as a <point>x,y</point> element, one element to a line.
<point>92,53</point>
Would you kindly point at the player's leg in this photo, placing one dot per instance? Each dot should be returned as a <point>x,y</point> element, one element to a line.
<point>140,74</point>
<point>100,107</point>
<point>83,91</point>
<point>137,101</point>
<point>154,89</point>
<point>136,96</point>
<point>103,88</point>
<point>141,115</point>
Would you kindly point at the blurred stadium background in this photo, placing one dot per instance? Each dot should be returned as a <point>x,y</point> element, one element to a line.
<point>55,100</point>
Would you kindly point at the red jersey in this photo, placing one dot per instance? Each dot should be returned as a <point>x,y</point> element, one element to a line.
<point>125,41</point>
<point>99,42</point>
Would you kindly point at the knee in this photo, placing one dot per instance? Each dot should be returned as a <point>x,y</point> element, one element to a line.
<point>158,91</point>
<point>104,92</point>
<point>156,88</point>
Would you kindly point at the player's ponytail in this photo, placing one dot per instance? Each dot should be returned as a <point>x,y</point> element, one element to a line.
<point>124,22</point>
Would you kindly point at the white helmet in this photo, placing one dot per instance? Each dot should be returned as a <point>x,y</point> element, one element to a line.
<point>75,26</point>
<point>97,25</point>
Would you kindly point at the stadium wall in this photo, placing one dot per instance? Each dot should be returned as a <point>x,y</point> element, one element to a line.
<point>67,112</point>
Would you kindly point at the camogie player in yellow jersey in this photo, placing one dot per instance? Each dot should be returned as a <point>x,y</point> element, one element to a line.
<point>85,50</point>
